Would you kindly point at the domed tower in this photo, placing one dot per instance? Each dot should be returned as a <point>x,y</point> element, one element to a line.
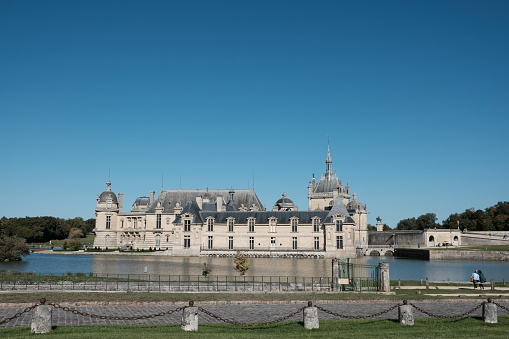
<point>106,213</point>
<point>321,195</point>
<point>285,204</point>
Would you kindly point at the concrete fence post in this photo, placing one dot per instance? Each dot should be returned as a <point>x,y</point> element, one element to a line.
<point>492,284</point>
<point>310,314</point>
<point>189,318</point>
<point>489,312</point>
<point>405,314</point>
<point>385,282</point>
<point>427,283</point>
<point>41,318</point>
<point>335,274</point>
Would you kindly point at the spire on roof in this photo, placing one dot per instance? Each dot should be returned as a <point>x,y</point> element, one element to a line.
<point>328,164</point>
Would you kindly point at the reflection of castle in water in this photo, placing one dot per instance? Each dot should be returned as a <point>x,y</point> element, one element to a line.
<point>223,266</point>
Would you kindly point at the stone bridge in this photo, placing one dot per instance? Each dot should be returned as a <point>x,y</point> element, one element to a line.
<point>378,250</point>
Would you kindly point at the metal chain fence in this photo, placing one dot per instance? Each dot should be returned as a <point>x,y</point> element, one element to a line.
<point>254,324</point>
<point>229,321</point>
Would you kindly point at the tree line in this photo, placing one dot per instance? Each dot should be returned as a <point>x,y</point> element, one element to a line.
<point>16,232</point>
<point>493,218</point>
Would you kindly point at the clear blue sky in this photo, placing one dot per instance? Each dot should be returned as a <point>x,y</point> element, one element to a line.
<point>413,97</point>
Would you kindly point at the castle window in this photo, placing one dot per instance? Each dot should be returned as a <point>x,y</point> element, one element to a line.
<point>251,225</point>
<point>210,242</point>
<point>294,243</point>
<point>187,225</point>
<point>339,225</point>
<point>210,225</point>
<point>187,241</point>
<point>158,240</point>
<point>158,221</point>
<point>317,243</point>
<point>108,222</point>
<point>339,242</point>
<point>231,223</point>
<point>316,225</point>
<point>295,223</point>
<point>230,243</point>
<point>272,224</point>
<point>251,243</point>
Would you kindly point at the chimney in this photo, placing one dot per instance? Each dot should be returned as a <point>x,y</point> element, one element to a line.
<point>152,193</point>
<point>120,199</point>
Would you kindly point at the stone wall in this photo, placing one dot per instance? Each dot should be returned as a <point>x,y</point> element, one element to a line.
<point>412,239</point>
<point>469,255</point>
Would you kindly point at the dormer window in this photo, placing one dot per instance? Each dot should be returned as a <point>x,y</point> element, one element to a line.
<point>187,225</point>
<point>231,223</point>
<point>295,223</point>
<point>272,225</point>
<point>210,224</point>
<point>339,225</point>
<point>251,225</point>
<point>316,224</point>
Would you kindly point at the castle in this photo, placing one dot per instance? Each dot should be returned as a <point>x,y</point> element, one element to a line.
<point>221,222</point>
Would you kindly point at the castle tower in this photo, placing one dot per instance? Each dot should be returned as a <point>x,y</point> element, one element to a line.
<point>106,212</point>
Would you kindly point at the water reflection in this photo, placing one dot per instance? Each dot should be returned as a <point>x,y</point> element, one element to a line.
<point>404,269</point>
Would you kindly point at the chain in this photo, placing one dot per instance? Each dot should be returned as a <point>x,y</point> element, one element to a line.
<point>447,316</point>
<point>358,316</point>
<point>85,314</point>
<point>501,306</point>
<point>19,314</point>
<point>229,321</point>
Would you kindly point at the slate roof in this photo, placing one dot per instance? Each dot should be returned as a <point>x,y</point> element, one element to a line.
<point>325,185</point>
<point>262,217</point>
<point>169,198</point>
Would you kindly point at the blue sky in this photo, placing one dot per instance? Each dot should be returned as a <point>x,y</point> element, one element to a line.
<point>412,96</point>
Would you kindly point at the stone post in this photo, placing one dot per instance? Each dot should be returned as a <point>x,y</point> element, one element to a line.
<point>311,317</point>
<point>335,274</point>
<point>427,283</point>
<point>405,314</point>
<point>385,283</point>
<point>492,284</point>
<point>189,318</point>
<point>489,312</point>
<point>41,318</point>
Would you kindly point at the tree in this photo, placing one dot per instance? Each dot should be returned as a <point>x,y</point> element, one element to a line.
<point>407,224</point>
<point>428,220</point>
<point>75,233</point>
<point>241,263</point>
<point>13,248</point>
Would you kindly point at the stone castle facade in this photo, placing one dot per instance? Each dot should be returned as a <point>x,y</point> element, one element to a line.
<point>221,222</point>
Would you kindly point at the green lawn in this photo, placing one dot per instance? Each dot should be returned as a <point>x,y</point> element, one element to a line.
<point>383,328</point>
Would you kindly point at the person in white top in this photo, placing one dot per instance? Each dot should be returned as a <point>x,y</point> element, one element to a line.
<point>475,278</point>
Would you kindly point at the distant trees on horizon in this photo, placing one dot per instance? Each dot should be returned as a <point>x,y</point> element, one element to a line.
<point>43,229</point>
<point>494,218</point>
<point>16,232</point>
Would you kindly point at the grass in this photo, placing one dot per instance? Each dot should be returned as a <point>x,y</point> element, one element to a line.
<point>376,328</point>
<point>156,297</point>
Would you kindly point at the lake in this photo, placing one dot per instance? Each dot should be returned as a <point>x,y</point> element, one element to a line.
<point>400,268</point>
